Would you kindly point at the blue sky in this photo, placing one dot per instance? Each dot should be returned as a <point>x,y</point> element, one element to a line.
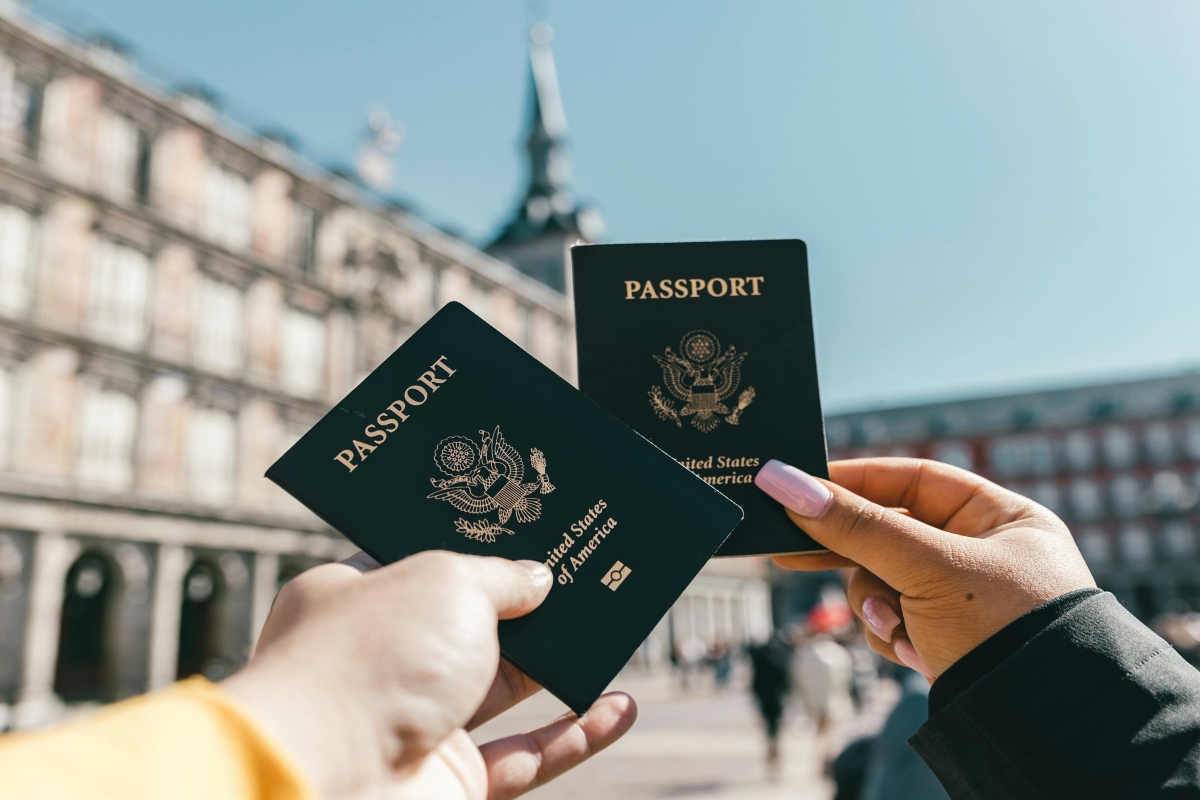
<point>995,195</point>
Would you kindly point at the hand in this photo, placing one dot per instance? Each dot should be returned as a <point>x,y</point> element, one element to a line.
<point>371,678</point>
<point>941,559</point>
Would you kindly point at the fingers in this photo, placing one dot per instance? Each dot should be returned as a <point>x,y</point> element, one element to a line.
<point>514,587</point>
<point>813,562</point>
<point>510,687</point>
<point>938,494</point>
<point>878,606</point>
<point>518,764</point>
<point>875,603</point>
<point>893,546</point>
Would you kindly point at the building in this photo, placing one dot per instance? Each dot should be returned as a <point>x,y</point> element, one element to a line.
<point>180,299</point>
<point>1119,462</point>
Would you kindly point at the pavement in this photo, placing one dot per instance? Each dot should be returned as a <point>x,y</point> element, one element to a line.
<point>702,743</point>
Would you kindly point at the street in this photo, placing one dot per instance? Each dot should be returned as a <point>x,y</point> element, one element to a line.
<point>699,744</point>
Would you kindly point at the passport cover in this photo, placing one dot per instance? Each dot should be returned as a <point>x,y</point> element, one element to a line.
<point>462,441</point>
<point>706,349</point>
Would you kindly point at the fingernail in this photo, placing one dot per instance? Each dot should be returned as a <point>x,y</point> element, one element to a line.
<point>539,570</point>
<point>908,657</point>
<point>795,489</point>
<point>880,617</point>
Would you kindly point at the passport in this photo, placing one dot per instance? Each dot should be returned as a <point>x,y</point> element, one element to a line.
<point>706,349</point>
<point>462,441</point>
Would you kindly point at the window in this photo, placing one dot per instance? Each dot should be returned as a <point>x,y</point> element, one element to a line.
<point>218,344</point>
<point>1126,496</point>
<point>1169,492</point>
<point>7,389</point>
<point>303,354</point>
<point>120,284</point>
<point>107,422</point>
<point>1041,455</point>
<point>1080,451</point>
<point>304,237</point>
<point>1120,449</point>
<point>1178,541</point>
<point>1191,439</point>
<point>1135,546</point>
<point>18,244</point>
<point>480,300</point>
<point>956,454</point>
<point>1160,443</point>
<point>1049,495</point>
<point>20,109</point>
<point>1095,547</point>
<point>1009,457</point>
<point>227,210</point>
<point>119,158</point>
<point>525,326</point>
<point>1087,501</point>
<point>211,449</point>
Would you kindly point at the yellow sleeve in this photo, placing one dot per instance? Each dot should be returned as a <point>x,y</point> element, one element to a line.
<point>189,742</point>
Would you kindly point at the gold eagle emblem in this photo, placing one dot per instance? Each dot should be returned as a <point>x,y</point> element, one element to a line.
<point>486,476</point>
<point>702,378</point>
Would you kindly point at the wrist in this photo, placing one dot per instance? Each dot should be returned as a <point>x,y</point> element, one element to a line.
<point>326,731</point>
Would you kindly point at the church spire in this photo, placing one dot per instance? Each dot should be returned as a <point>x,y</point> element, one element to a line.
<point>548,220</point>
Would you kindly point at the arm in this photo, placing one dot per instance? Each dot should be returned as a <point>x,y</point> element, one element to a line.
<point>189,742</point>
<point>1075,699</point>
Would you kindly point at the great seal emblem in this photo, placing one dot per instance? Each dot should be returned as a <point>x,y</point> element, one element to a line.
<point>488,476</point>
<point>702,378</point>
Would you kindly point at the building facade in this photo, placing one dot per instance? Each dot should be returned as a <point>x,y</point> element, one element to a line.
<point>1119,462</point>
<point>180,299</point>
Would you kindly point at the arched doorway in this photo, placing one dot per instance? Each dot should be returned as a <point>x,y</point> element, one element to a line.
<point>83,670</point>
<point>200,635</point>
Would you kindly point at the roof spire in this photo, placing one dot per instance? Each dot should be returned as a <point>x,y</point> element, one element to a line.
<point>548,210</point>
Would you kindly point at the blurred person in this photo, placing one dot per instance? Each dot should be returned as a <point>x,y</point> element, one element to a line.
<point>884,766</point>
<point>720,658</point>
<point>344,698</point>
<point>823,675</point>
<point>1042,685</point>
<point>691,654</point>
<point>770,664</point>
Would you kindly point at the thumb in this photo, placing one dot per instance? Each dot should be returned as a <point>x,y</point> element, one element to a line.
<point>514,587</point>
<point>892,545</point>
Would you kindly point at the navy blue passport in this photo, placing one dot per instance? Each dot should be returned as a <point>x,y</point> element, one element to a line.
<point>462,441</point>
<point>706,349</point>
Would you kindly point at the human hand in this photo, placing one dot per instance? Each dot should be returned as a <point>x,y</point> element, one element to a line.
<point>941,559</point>
<point>371,677</point>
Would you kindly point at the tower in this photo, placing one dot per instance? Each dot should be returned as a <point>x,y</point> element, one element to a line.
<point>548,219</point>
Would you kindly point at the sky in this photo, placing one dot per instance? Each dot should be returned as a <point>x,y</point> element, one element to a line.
<point>995,196</point>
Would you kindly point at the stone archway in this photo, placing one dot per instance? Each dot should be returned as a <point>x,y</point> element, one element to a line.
<point>84,670</point>
<point>201,638</point>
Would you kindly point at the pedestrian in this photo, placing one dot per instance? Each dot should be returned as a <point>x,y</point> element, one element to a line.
<point>823,676</point>
<point>769,683</point>
<point>720,658</point>
<point>884,766</point>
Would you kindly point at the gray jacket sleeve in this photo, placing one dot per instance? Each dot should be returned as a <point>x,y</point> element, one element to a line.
<point>1089,703</point>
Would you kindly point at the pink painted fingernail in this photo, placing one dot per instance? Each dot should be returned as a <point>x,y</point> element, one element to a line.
<point>908,657</point>
<point>880,617</point>
<point>795,489</point>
